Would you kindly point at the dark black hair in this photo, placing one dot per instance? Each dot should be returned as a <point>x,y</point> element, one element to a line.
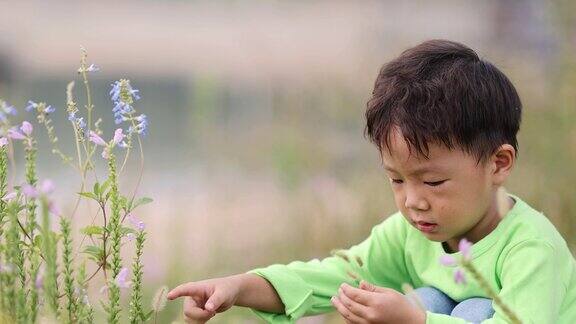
<point>441,92</point>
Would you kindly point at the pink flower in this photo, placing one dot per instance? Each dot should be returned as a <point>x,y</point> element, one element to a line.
<point>47,186</point>
<point>9,196</point>
<point>465,248</point>
<point>3,141</point>
<point>52,208</point>
<point>448,260</point>
<point>29,191</point>
<point>26,128</point>
<point>5,268</point>
<point>118,136</point>
<point>15,134</point>
<point>459,277</point>
<point>96,139</point>
<point>105,154</point>
<point>39,282</point>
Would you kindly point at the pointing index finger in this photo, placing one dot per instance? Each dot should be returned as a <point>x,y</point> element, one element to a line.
<point>186,289</point>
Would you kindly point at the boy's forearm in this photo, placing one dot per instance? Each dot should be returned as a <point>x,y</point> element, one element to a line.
<point>257,293</point>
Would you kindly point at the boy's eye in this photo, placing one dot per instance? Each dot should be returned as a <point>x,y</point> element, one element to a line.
<point>435,183</point>
<point>397,181</point>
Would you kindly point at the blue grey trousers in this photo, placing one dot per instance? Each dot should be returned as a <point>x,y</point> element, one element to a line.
<point>473,310</point>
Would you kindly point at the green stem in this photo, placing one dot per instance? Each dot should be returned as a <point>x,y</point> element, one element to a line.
<point>3,192</point>
<point>490,292</point>
<point>136,310</point>
<point>49,249</point>
<point>30,229</point>
<point>68,269</point>
<point>115,236</point>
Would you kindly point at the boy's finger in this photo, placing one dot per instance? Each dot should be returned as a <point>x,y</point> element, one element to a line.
<point>358,295</point>
<point>353,306</point>
<point>214,302</point>
<point>192,311</point>
<point>187,289</point>
<point>345,312</point>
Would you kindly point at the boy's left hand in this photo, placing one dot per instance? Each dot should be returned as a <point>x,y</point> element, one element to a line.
<point>372,304</point>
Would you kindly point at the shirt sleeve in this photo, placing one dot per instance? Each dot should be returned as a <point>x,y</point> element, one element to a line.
<point>305,288</point>
<point>533,286</point>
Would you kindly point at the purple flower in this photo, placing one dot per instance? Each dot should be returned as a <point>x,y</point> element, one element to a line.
<point>92,68</point>
<point>459,277</point>
<point>123,95</point>
<point>122,278</point>
<point>3,141</point>
<point>115,92</point>
<point>96,139</point>
<point>130,237</point>
<point>142,126</point>
<point>10,110</point>
<point>465,248</point>
<point>49,109</point>
<point>136,222</point>
<point>31,105</point>
<point>26,128</point>
<point>80,123</point>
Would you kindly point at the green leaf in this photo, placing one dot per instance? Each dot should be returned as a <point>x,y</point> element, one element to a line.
<point>38,240</point>
<point>125,230</point>
<point>94,252</point>
<point>105,185</point>
<point>92,230</point>
<point>90,195</point>
<point>96,189</point>
<point>140,202</point>
<point>148,316</point>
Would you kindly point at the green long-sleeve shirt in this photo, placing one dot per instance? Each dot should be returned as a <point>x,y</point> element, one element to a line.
<point>524,259</point>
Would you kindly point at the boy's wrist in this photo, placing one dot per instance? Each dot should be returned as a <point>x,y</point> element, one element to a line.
<point>243,286</point>
<point>256,292</point>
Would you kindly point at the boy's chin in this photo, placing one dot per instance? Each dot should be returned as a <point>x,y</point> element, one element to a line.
<point>436,237</point>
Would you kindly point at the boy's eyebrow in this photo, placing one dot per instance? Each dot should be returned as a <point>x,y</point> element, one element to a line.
<point>415,172</point>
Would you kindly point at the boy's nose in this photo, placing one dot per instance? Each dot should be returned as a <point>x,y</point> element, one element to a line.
<point>416,202</point>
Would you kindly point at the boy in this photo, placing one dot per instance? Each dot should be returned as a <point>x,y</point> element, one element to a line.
<point>445,123</point>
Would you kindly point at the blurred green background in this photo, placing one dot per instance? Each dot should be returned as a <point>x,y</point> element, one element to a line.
<point>255,153</point>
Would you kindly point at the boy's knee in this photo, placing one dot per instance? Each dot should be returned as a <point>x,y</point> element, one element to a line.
<point>474,310</point>
<point>435,300</point>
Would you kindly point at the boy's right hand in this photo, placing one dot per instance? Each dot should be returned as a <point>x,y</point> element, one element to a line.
<point>207,297</point>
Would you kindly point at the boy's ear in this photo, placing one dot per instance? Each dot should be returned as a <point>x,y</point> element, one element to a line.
<point>502,162</point>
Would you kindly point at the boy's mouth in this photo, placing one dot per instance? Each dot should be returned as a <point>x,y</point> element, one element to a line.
<point>426,227</point>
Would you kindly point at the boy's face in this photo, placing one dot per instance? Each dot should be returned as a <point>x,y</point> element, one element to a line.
<point>448,196</point>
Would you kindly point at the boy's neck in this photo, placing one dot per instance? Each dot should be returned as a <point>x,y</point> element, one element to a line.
<point>484,227</point>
